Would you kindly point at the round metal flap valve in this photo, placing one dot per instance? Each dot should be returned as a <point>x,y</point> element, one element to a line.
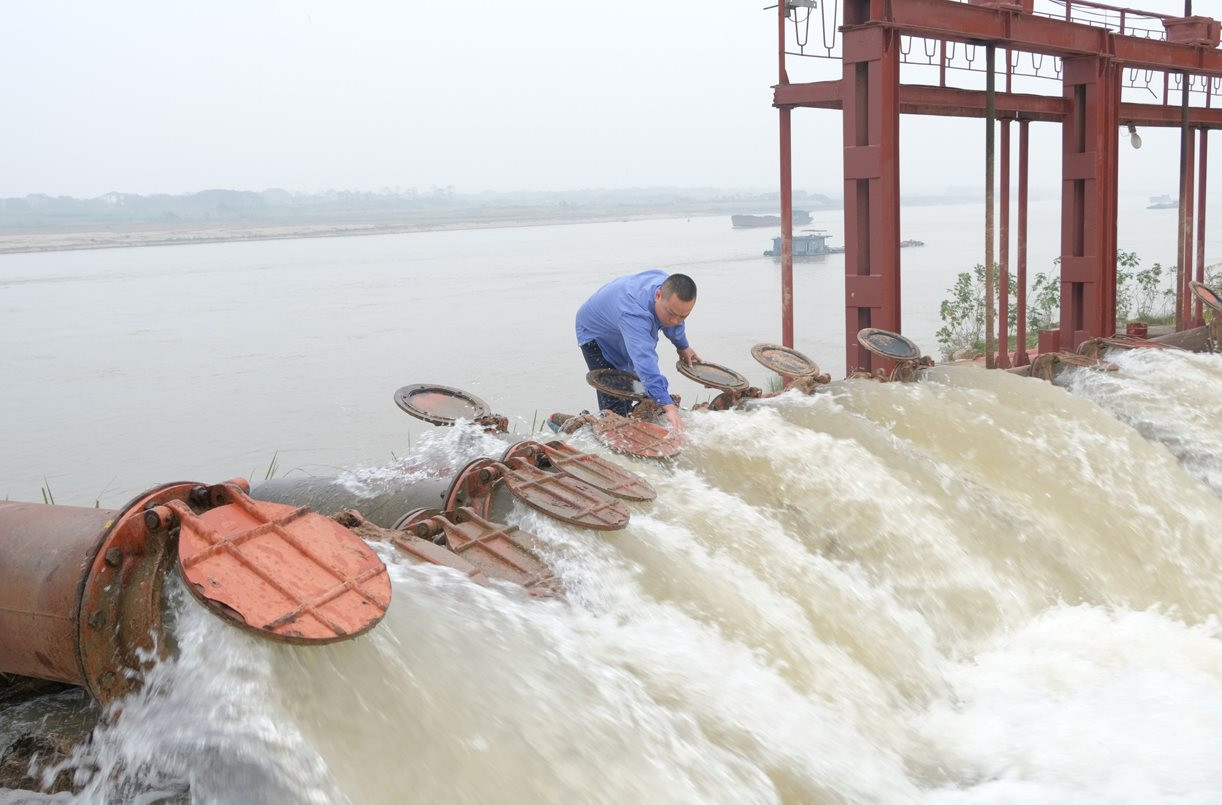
<point>598,472</point>
<point>887,344</point>
<point>712,375</point>
<point>1208,296</point>
<point>617,383</point>
<point>281,571</point>
<point>440,405</point>
<point>784,361</point>
<point>636,437</point>
<point>564,498</point>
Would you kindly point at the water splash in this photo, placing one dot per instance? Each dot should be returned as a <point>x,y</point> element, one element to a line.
<point>978,588</point>
<point>1170,397</point>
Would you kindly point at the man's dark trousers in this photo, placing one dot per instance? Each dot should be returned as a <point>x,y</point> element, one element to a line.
<point>595,360</point>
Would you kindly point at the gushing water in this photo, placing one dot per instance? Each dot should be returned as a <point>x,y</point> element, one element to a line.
<point>977,588</point>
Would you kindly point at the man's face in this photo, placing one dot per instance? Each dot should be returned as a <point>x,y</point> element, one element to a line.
<point>670,309</point>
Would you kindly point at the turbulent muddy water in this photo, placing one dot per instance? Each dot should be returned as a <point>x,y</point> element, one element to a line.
<point>977,588</point>
<point>972,589</point>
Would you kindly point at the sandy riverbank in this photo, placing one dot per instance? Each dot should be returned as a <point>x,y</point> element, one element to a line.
<point>65,238</point>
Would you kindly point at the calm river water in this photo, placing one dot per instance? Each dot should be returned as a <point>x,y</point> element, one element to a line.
<point>973,589</point>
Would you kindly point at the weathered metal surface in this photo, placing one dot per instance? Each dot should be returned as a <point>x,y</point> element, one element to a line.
<point>417,549</point>
<point>786,362</point>
<point>441,405</point>
<point>1206,295</point>
<point>712,375</point>
<point>888,345</point>
<point>1095,348</point>
<point>598,472</point>
<point>45,552</point>
<point>1049,365</point>
<point>564,498</point>
<point>81,598</point>
<point>1093,62</point>
<point>636,437</point>
<point>1198,339</point>
<point>589,469</point>
<point>624,385</point>
<point>120,624</point>
<point>473,486</point>
<point>281,571</point>
<point>491,550</point>
<point>870,160</point>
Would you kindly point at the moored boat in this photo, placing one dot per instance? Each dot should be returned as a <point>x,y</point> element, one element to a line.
<point>811,243</point>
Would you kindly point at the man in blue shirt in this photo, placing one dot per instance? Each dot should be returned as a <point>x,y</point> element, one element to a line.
<point>618,328</point>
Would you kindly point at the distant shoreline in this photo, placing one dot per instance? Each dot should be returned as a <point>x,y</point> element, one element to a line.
<point>121,238</point>
<point>99,235</point>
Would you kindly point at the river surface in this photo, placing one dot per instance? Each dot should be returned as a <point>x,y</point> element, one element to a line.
<point>973,589</point>
<point>126,368</point>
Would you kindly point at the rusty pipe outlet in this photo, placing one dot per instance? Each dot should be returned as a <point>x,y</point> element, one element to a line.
<point>81,591</point>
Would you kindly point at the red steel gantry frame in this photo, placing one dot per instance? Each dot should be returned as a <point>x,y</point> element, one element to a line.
<point>1090,112</point>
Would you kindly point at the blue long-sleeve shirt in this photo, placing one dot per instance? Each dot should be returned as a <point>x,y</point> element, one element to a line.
<point>620,317</point>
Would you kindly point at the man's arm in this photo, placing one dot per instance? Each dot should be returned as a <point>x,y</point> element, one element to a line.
<point>642,350</point>
<point>689,356</point>
<point>678,336</point>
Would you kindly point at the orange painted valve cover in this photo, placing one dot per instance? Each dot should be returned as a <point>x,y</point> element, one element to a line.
<point>281,571</point>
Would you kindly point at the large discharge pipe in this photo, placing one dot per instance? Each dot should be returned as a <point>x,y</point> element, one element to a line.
<point>80,591</point>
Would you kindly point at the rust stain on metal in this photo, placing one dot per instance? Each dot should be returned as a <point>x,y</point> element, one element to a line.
<point>474,486</point>
<point>120,628</point>
<point>598,472</point>
<point>489,550</point>
<point>282,571</point>
<point>589,469</point>
<point>563,497</point>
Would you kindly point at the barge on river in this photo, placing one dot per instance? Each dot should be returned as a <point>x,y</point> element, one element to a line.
<point>810,243</point>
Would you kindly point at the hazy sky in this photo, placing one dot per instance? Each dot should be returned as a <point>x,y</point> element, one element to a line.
<point>149,97</point>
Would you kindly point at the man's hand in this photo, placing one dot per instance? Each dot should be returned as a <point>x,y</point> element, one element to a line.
<point>689,356</point>
<point>672,416</point>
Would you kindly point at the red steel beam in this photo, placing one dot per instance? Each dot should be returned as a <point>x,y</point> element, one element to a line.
<point>960,22</point>
<point>921,99</point>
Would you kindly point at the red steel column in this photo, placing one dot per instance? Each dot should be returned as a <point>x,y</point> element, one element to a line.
<point>1187,223</point>
<point>1197,313</point>
<point>1088,200</point>
<point>786,229</point>
<point>871,180</point>
<point>786,187</point>
<point>1003,297</point>
<point>1020,354</point>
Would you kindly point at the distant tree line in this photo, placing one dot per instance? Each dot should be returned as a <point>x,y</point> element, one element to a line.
<point>39,210</point>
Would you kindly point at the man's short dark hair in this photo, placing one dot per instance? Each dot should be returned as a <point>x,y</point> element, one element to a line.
<point>681,285</point>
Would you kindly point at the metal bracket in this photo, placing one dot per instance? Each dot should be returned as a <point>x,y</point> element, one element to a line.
<point>492,550</point>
